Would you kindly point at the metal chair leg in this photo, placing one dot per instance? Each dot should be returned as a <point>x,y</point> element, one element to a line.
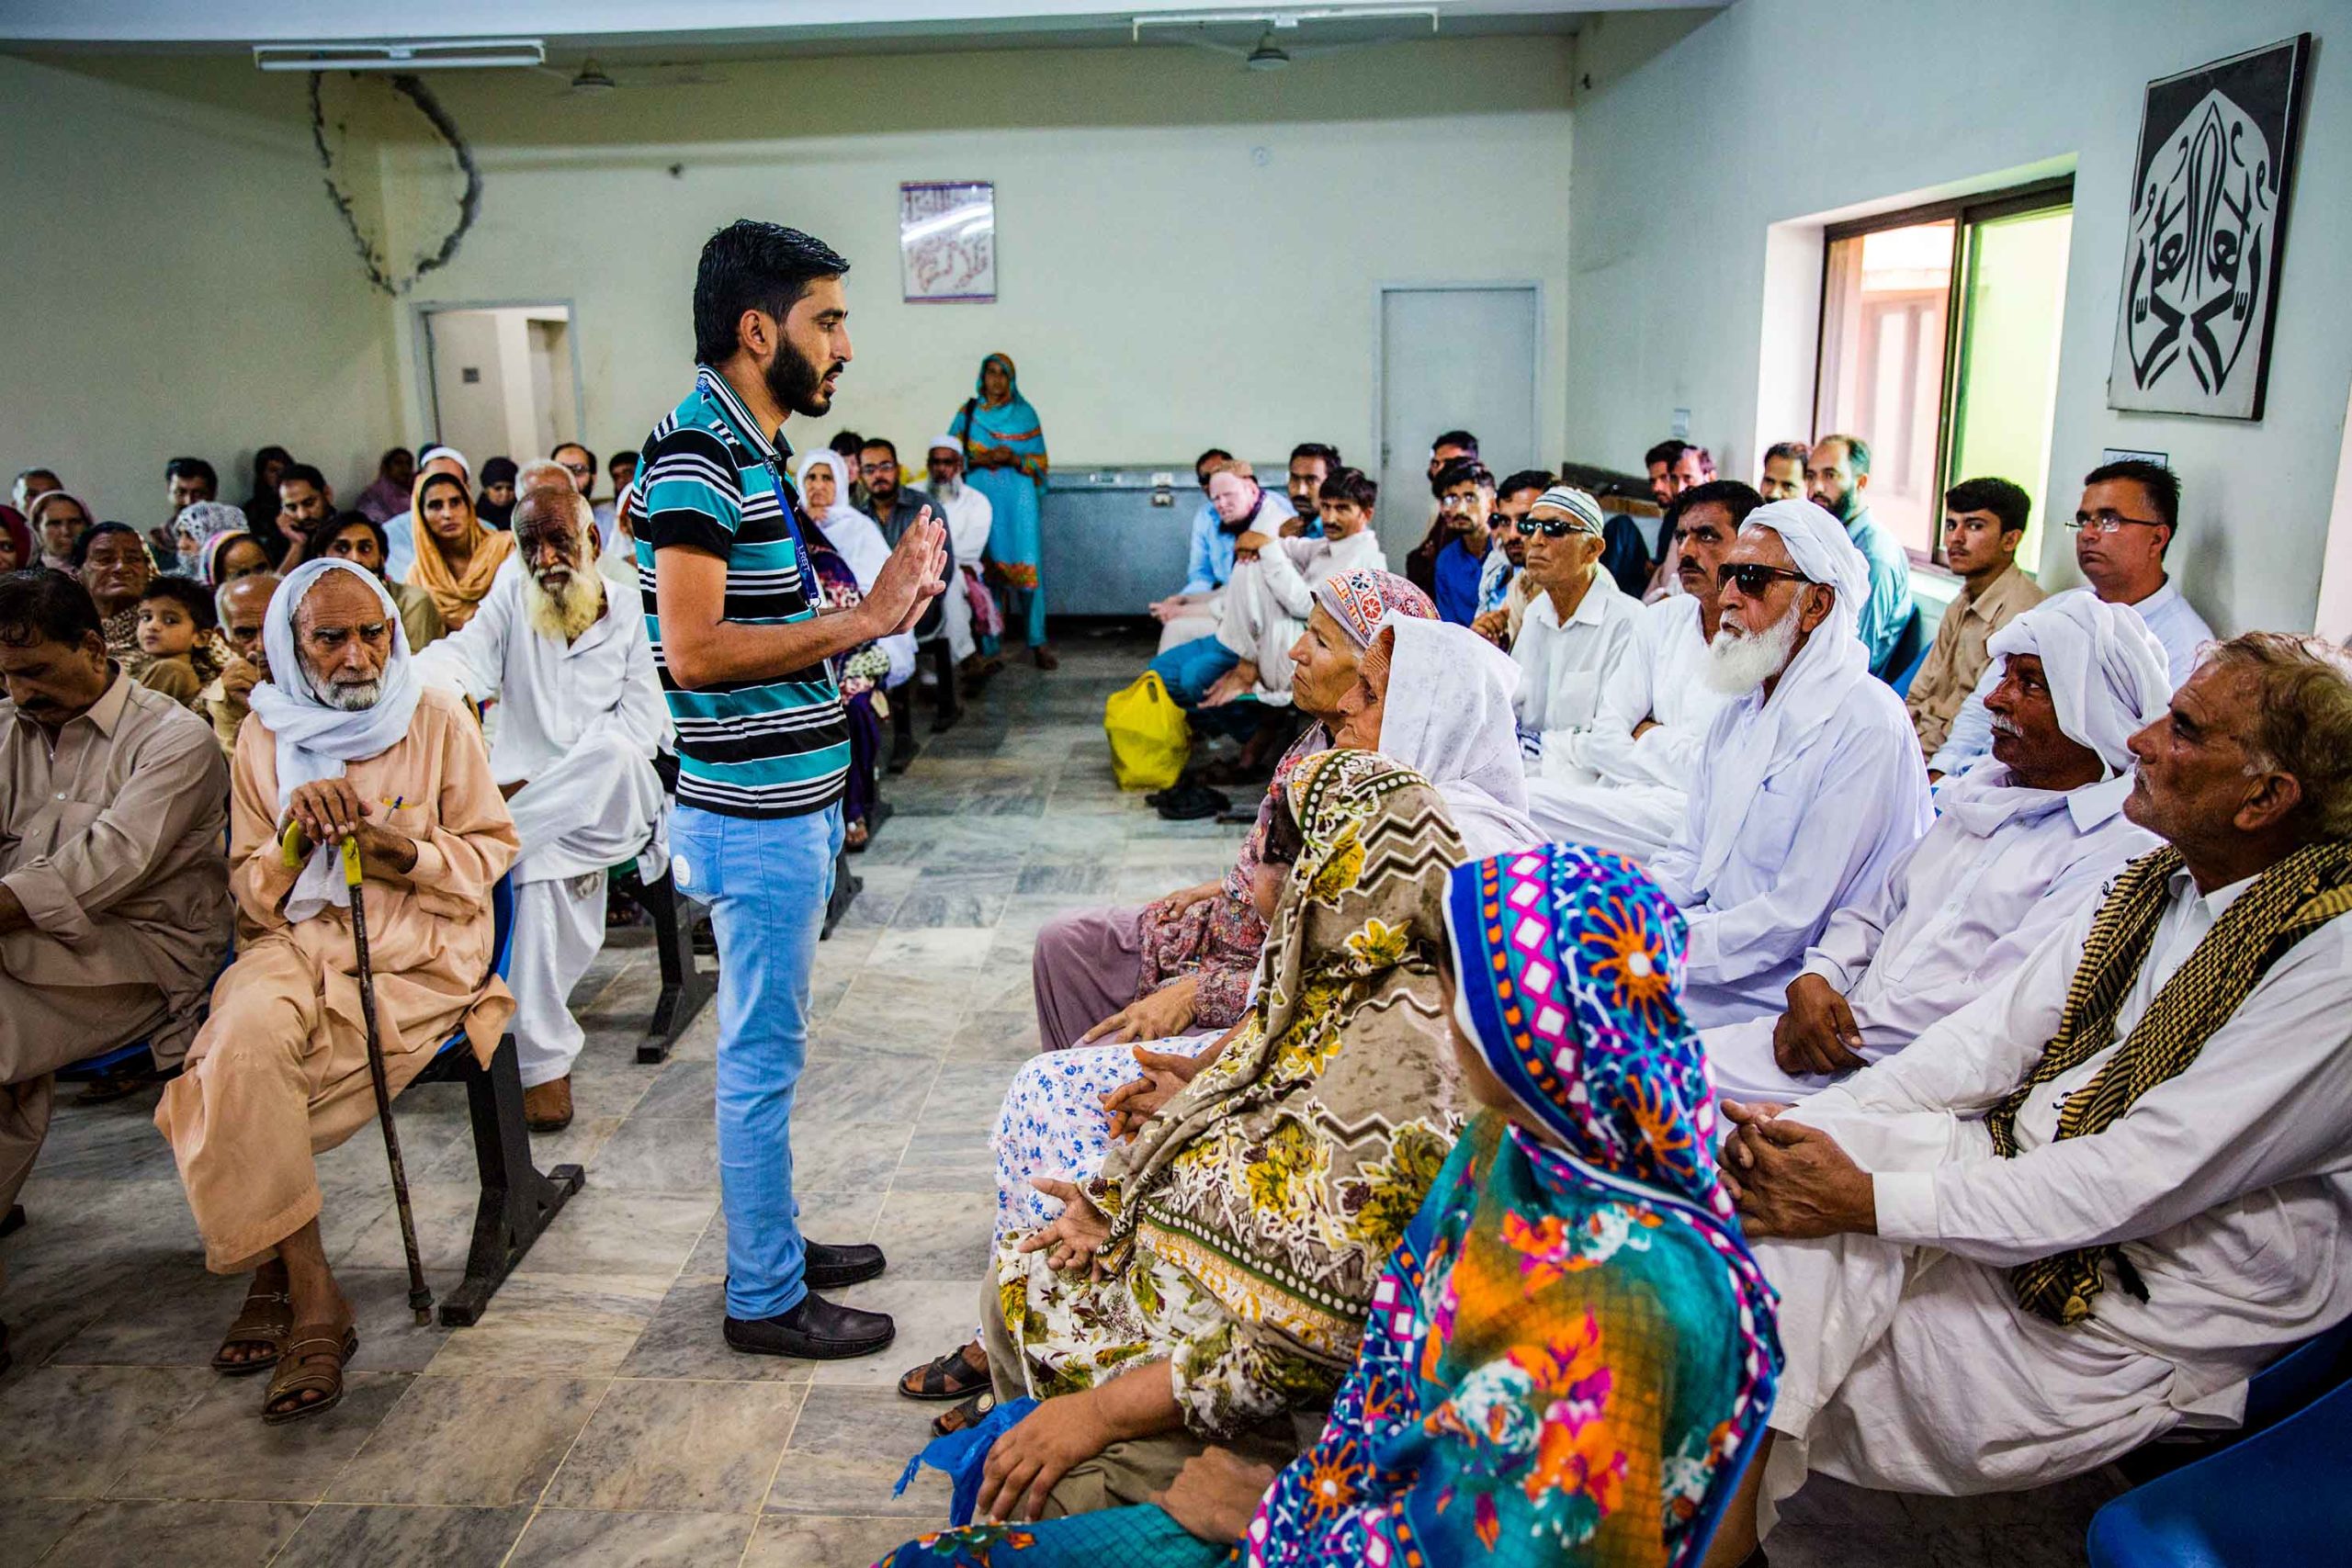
<point>685,987</point>
<point>517,1201</point>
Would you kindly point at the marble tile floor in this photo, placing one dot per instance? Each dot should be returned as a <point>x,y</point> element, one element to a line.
<point>593,1416</point>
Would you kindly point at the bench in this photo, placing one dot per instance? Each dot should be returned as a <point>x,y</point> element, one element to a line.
<point>686,985</point>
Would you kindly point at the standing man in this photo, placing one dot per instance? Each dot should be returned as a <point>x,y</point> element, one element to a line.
<point>1984,524</point>
<point>746,662</point>
<point>1836,471</point>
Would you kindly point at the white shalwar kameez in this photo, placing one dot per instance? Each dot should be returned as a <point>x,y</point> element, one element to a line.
<point>970,518</point>
<point>1565,666</point>
<point>2229,1188</point>
<point>581,723</point>
<point>1268,599</point>
<point>1606,787</point>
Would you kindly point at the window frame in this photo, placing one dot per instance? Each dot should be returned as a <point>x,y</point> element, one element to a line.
<point>1964,212</point>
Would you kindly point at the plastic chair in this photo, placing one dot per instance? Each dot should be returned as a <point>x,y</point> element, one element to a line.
<point>1908,649</point>
<point>2303,1374</point>
<point>517,1201</point>
<point>2275,1499</point>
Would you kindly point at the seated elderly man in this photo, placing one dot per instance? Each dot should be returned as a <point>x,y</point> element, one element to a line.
<point>1623,781</point>
<point>242,604</point>
<point>1189,667</point>
<point>113,909</point>
<point>2022,840</point>
<point>579,717</point>
<point>969,517</point>
<point>345,744</point>
<point>1579,628</point>
<point>2084,1209</point>
<point>1811,784</point>
<point>1272,587</point>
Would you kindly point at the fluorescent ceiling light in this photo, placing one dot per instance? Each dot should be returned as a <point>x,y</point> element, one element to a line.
<point>417,54</point>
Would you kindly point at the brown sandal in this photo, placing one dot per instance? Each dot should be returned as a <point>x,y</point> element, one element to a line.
<point>950,1376</point>
<point>313,1359</point>
<point>267,1318</point>
<point>968,1413</point>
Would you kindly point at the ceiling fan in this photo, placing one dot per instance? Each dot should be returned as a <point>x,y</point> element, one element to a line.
<point>593,81</point>
<point>1273,52</point>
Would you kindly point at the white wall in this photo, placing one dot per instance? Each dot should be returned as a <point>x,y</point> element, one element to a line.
<point>1160,289</point>
<point>1777,111</point>
<point>175,282</point>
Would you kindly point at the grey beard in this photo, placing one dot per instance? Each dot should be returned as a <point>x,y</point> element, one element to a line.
<point>565,615</point>
<point>948,490</point>
<point>1736,665</point>
<point>356,697</point>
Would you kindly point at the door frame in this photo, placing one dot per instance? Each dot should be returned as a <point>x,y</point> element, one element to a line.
<point>1380,292</point>
<point>428,396</point>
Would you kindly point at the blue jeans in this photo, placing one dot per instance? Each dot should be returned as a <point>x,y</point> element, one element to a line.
<point>767,882</point>
<point>1190,668</point>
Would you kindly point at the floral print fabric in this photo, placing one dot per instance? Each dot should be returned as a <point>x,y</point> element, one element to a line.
<point>1052,1124</point>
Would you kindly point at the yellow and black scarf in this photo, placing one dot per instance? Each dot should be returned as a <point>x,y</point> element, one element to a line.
<point>2286,904</point>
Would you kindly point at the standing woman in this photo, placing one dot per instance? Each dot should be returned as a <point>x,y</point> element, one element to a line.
<point>457,558</point>
<point>1005,456</point>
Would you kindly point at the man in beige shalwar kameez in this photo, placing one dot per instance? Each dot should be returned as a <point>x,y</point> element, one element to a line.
<point>343,743</point>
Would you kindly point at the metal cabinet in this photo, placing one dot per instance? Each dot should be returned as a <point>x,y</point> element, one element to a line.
<point>1114,539</point>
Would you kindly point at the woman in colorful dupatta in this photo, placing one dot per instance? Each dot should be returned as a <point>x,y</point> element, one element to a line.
<point>457,558</point>
<point>1004,459</point>
<point>1571,1355</point>
<point>845,540</point>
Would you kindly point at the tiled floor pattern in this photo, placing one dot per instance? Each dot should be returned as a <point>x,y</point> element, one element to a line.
<point>594,1417</point>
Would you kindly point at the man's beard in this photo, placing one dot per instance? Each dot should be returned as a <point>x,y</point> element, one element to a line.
<point>947,489</point>
<point>1845,506</point>
<point>1736,665</point>
<point>566,614</point>
<point>353,696</point>
<point>796,383</point>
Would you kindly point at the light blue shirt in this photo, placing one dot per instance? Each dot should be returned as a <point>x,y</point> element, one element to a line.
<point>1494,579</point>
<point>1210,561</point>
<point>2171,619</point>
<point>400,545</point>
<point>1889,610</point>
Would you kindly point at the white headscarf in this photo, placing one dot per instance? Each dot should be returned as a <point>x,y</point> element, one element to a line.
<point>1813,686</point>
<point>1448,716</point>
<point>316,739</point>
<point>854,537</point>
<point>2108,674</point>
<point>454,456</point>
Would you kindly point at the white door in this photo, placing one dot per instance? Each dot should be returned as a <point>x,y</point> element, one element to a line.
<point>1451,359</point>
<point>503,379</point>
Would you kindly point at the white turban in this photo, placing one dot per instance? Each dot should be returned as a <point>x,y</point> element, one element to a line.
<point>454,456</point>
<point>1818,546</point>
<point>2107,672</point>
<point>1577,504</point>
<point>946,443</point>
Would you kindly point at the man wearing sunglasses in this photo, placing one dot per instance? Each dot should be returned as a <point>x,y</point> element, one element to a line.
<point>1811,786</point>
<point>2122,527</point>
<point>1499,609</point>
<point>1624,782</point>
<point>1578,626</point>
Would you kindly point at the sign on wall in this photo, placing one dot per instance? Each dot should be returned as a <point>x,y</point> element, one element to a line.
<point>2209,221</point>
<point>947,241</point>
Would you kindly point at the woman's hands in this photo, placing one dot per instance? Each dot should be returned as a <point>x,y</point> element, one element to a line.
<point>1183,899</point>
<point>1215,1495</point>
<point>1136,1102</point>
<point>1165,1013</point>
<point>1078,1232</point>
<point>1028,1461</point>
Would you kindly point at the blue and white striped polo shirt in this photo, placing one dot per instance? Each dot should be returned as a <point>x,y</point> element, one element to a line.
<point>709,481</point>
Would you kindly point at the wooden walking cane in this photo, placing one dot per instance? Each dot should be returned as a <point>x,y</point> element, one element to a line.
<point>420,1294</point>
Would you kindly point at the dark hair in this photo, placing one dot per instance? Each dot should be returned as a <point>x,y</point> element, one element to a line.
<point>1328,454</point>
<point>1462,438</point>
<point>193,469</point>
<point>1283,842</point>
<point>265,456</point>
<point>189,594</point>
<point>2161,483</point>
<point>41,605</point>
<point>750,265</point>
<point>315,544</point>
<point>1796,449</point>
<point>583,451</point>
<point>883,442</point>
<point>93,534</point>
<point>1210,459</point>
<point>845,443</point>
<point>48,474</point>
<point>1459,470</point>
<point>1858,451</point>
<point>622,454</point>
<point>1999,497</point>
<point>389,453</point>
<point>1668,452</point>
<point>1351,484</point>
<point>426,489</point>
<point>302,473</point>
<point>1527,478</point>
<point>1733,497</point>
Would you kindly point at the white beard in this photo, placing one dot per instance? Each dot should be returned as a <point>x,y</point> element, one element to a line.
<point>1737,664</point>
<point>949,490</point>
<point>563,616</point>
<point>356,697</point>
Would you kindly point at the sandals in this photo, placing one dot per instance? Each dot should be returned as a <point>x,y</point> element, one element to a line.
<point>967,1414</point>
<point>312,1360</point>
<point>266,1319</point>
<point>947,1377</point>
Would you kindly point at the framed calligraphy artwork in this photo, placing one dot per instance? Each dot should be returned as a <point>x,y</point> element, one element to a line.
<point>2209,224</point>
<point>947,241</point>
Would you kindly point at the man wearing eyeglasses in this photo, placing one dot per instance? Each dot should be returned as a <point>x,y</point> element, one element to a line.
<point>2122,527</point>
<point>1578,626</point>
<point>1809,789</point>
<point>1465,507</point>
<point>894,508</point>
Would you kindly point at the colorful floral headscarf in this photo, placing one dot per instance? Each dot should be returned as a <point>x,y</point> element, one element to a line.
<point>1362,599</point>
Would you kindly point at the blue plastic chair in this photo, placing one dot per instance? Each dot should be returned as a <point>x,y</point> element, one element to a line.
<point>2276,1499</point>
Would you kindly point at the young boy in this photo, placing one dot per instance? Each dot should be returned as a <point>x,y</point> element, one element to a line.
<point>178,653</point>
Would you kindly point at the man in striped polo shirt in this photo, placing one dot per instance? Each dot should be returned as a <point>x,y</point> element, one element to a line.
<point>746,663</point>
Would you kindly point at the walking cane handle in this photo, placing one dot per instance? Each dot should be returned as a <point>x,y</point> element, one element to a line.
<point>351,863</point>
<point>294,848</point>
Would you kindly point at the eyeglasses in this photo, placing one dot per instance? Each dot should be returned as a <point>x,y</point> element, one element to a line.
<point>2107,522</point>
<point>577,470</point>
<point>1555,527</point>
<point>1752,579</point>
<point>1458,502</point>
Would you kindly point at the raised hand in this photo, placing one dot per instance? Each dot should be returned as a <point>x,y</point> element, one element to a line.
<point>1077,1233</point>
<point>913,577</point>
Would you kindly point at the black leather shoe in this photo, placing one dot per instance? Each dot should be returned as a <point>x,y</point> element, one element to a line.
<point>816,1330</point>
<point>833,1268</point>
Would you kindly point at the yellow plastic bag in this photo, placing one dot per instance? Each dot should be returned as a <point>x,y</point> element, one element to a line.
<point>1149,738</point>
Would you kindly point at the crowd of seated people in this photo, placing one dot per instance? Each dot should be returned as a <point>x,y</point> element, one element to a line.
<point>1647,1049</point>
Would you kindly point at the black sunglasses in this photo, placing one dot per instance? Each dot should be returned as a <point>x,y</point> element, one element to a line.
<point>1753,579</point>
<point>1551,527</point>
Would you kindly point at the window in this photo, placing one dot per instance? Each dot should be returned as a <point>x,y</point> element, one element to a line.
<point>1939,347</point>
